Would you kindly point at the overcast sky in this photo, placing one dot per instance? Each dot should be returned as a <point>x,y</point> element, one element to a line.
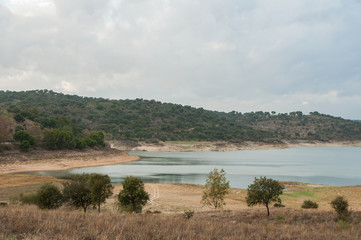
<point>225,55</point>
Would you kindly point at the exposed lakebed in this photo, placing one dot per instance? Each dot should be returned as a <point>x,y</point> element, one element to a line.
<point>335,166</point>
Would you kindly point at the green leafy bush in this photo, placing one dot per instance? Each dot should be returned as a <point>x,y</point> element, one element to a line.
<point>49,197</point>
<point>309,204</point>
<point>25,145</point>
<point>23,135</point>
<point>341,207</point>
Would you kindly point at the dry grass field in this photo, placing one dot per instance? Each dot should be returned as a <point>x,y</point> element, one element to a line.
<point>30,223</point>
<point>162,217</point>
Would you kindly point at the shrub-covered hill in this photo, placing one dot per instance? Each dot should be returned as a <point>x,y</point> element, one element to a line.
<point>152,120</point>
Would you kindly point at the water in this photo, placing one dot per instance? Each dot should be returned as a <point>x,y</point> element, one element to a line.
<point>335,166</point>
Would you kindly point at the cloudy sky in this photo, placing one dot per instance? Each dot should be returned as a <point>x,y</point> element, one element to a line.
<point>247,55</point>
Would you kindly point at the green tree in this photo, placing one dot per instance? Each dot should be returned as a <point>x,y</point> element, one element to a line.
<point>263,191</point>
<point>77,192</point>
<point>49,197</point>
<point>341,207</point>
<point>98,137</point>
<point>23,135</point>
<point>80,143</point>
<point>216,188</point>
<point>57,139</point>
<point>133,196</point>
<point>100,188</point>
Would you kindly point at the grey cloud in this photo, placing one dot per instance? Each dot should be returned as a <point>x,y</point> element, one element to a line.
<point>220,55</point>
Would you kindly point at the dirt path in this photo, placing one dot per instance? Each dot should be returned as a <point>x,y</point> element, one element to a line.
<point>155,195</point>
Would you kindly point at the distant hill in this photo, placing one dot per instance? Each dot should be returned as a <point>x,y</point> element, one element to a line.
<point>151,120</point>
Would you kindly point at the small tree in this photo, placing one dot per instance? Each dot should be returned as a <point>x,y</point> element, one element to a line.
<point>49,197</point>
<point>216,188</point>
<point>133,196</point>
<point>341,207</point>
<point>100,188</point>
<point>77,192</point>
<point>263,191</point>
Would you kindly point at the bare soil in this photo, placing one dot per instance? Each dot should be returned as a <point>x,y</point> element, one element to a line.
<point>190,146</point>
<point>43,160</point>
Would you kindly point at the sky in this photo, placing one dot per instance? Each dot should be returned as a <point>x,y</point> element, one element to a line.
<point>249,55</point>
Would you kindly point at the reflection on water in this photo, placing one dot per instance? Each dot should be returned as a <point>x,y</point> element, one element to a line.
<point>320,165</point>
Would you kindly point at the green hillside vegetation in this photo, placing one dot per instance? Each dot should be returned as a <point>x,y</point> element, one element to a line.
<point>151,120</point>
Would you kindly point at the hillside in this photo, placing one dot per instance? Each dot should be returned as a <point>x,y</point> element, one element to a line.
<point>151,120</point>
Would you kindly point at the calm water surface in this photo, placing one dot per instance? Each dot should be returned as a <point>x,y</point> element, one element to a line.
<point>336,166</point>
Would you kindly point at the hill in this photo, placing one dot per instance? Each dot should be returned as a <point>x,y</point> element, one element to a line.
<point>151,120</point>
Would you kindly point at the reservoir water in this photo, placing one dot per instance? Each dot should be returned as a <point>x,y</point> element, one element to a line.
<point>335,166</point>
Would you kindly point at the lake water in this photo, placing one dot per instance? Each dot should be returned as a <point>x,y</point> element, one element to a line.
<point>335,166</point>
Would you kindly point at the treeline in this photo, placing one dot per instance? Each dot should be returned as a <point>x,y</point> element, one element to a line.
<point>151,120</point>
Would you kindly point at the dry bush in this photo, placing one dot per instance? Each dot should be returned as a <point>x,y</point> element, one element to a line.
<point>31,223</point>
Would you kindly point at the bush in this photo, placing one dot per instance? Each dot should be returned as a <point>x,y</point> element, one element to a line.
<point>90,142</point>
<point>341,207</point>
<point>57,139</point>
<point>22,135</point>
<point>25,145</point>
<point>279,205</point>
<point>80,143</point>
<point>309,204</point>
<point>188,214</point>
<point>49,197</point>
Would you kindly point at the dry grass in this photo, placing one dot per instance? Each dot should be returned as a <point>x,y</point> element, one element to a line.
<point>30,223</point>
<point>12,185</point>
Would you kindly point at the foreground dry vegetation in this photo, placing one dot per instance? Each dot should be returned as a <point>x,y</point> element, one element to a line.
<point>163,216</point>
<point>30,223</point>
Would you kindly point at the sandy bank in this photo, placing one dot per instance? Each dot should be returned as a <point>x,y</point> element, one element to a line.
<point>41,160</point>
<point>184,146</point>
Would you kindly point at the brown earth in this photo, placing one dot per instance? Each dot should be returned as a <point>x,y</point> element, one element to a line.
<point>189,146</point>
<point>43,160</point>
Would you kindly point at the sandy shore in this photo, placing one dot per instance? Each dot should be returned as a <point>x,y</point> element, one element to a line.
<point>61,160</point>
<point>184,146</point>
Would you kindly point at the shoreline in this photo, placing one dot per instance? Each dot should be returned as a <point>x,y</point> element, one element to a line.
<point>189,146</point>
<point>62,160</point>
<point>44,160</point>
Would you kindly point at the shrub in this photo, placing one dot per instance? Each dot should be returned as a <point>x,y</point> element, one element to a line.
<point>341,207</point>
<point>279,205</point>
<point>23,135</point>
<point>188,214</point>
<point>309,204</point>
<point>25,145</point>
<point>80,143</point>
<point>49,197</point>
